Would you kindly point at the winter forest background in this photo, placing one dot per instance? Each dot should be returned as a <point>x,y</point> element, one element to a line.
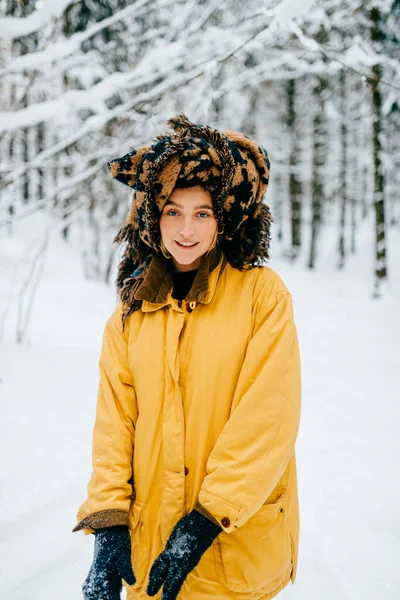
<point>317,82</point>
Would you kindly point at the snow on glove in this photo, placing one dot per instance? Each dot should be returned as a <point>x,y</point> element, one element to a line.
<point>111,564</point>
<point>190,538</point>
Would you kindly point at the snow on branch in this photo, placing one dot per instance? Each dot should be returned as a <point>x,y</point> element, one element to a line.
<point>63,49</point>
<point>160,62</point>
<point>13,27</point>
<point>288,11</point>
<point>126,110</point>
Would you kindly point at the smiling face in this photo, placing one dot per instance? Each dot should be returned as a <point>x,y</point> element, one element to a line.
<point>188,226</point>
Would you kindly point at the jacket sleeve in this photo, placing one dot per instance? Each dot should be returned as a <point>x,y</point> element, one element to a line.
<point>257,442</point>
<point>110,487</point>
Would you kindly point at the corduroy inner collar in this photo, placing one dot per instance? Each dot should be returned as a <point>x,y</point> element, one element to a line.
<point>158,282</point>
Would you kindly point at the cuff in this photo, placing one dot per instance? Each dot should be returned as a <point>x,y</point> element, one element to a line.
<point>203,511</point>
<point>224,513</point>
<point>103,518</point>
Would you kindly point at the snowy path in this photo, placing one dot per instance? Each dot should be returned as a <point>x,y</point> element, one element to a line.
<point>348,447</point>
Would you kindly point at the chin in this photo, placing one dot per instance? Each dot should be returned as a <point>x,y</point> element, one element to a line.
<point>186,260</point>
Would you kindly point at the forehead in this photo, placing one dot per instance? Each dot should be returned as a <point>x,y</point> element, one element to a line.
<point>190,196</point>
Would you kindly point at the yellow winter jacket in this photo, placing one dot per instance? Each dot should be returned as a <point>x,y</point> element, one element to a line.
<point>199,405</point>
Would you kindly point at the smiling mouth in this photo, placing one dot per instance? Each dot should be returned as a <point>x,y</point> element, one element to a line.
<point>186,245</point>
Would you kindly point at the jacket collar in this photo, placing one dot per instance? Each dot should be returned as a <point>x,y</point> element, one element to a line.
<point>156,289</point>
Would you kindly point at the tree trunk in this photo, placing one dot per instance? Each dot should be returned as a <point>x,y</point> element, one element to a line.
<point>364,192</point>
<point>295,187</point>
<point>379,191</point>
<point>343,170</point>
<point>25,44</point>
<point>40,133</point>
<point>67,171</point>
<point>278,205</point>
<point>318,165</point>
<point>392,185</point>
<point>355,126</point>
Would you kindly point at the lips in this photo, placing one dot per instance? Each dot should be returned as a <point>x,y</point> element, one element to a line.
<point>186,245</point>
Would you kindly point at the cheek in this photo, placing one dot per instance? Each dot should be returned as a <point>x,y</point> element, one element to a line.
<point>165,227</point>
<point>209,230</point>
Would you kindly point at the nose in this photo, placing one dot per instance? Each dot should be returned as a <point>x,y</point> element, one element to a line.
<point>187,228</point>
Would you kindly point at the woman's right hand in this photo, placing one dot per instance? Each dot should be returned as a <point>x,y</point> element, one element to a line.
<point>111,564</point>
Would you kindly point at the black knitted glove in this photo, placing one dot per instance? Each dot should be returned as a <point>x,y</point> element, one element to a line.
<point>190,538</point>
<point>111,564</point>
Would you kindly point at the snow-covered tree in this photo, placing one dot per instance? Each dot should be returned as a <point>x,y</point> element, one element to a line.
<point>316,82</point>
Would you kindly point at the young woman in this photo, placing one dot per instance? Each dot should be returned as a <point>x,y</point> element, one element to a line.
<point>193,492</point>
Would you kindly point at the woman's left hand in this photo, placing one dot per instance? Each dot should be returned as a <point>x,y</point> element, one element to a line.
<point>190,538</point>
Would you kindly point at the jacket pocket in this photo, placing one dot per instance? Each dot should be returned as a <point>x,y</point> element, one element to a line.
<point>257,555</point>
<point>139,554</point>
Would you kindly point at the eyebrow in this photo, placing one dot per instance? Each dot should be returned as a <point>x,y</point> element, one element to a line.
<point>194,208</point>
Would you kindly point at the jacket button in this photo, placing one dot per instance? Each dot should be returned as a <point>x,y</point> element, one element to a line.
<point>186,471</point>
<point>225,522</point>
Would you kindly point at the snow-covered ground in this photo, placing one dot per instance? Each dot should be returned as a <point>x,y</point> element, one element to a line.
<point>348,446</point>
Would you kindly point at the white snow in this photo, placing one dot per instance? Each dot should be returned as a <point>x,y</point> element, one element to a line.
<point>162,61</point>
<point>13,27</point>
<point>56,51</point>
<point>287,11</point>
<point>348,446</point>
